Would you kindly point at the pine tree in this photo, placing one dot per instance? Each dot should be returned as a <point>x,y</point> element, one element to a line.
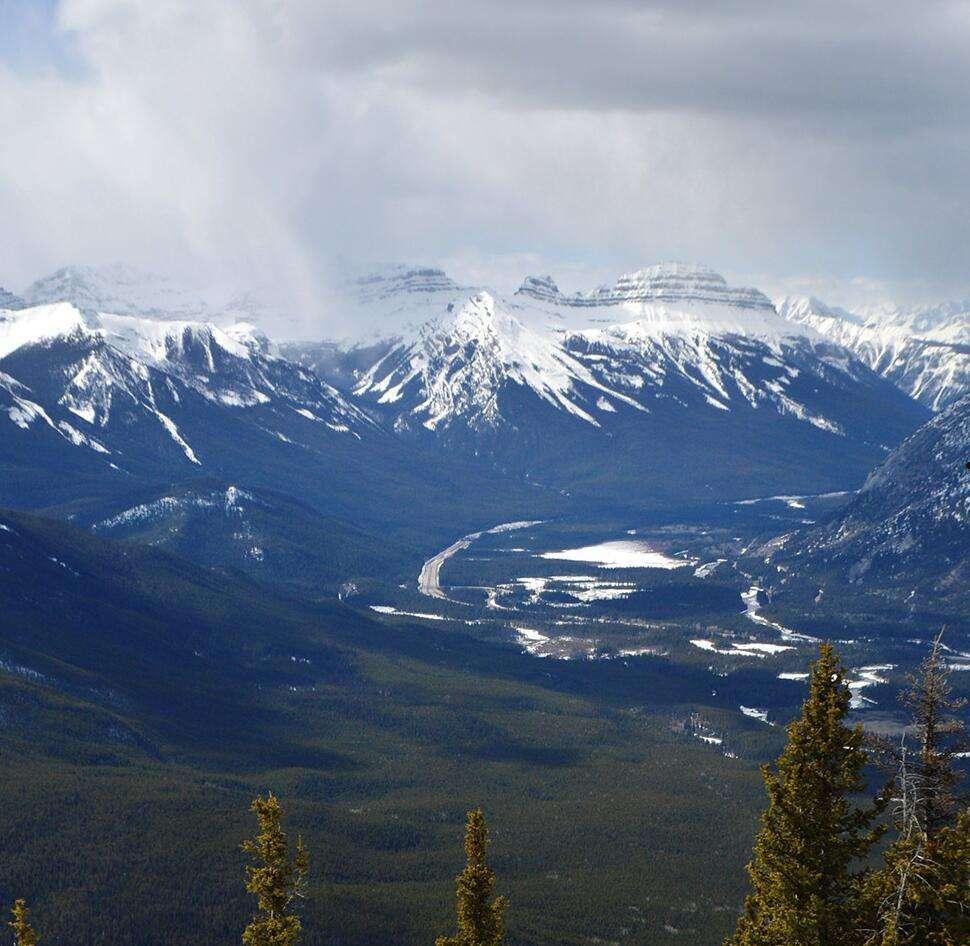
<point>941,736</point>
<point>913,899</point>
<point>954,857</point>
<point>805,891</point>
<point>480,919</point>
<point>24,934</point>
<point>275,880</point>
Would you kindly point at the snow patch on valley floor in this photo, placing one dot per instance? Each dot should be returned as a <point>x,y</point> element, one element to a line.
<point>747,649</point>
<point>387,609</point>
<point>531,640</point>
<point>755,713</point>
<point>867,677</point>
<point>703,571</point>
<point>621,553</point>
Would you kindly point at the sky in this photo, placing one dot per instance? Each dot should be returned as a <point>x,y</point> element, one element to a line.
<point>811,147</point>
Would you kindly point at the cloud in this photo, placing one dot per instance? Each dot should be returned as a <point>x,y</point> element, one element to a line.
<point>262,140</point>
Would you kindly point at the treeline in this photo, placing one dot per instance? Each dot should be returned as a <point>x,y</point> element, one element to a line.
<point>814,879</point>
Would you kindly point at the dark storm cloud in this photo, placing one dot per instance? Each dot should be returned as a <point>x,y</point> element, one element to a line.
<point>893,65</point>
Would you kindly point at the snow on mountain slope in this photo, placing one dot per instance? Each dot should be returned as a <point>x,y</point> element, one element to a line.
<point>586,354</point>
<point>947,322</point>
<point>628,387</point>
<point>15,401</point>
<point>460,361</point>
<point>924,352</point>
<point>106,381</point>
<point>38,324</point>
<point>727,371</point>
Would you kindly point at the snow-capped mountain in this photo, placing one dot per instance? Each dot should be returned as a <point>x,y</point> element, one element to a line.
<point>947,322</point>
<point>99,378</point>
<point>120,288</point>
<point>632,379</point>
<point>123,289</point>
<point>923,351</point>
<point>906,535</point>
<point>103,413</point>
<point>668,385</point>
<point>685,288</point>
<point>458,364</point>
<point>9,301</point>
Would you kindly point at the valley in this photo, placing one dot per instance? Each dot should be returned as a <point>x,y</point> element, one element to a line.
<point>684,590</point>
<point>567,554</point>
<point>484,474</point>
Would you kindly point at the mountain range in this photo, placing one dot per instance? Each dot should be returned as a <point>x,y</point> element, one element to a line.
<point>125,423</point>
<point>667,384</point>
<point>136,407</point>
<point>220,594</point>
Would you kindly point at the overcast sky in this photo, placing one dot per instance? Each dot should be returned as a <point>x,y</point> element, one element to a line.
<point>812,146</point>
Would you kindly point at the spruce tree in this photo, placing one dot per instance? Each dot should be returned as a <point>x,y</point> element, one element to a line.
<point>805,888</point>
<point>480,919</point>
<point>23,932</point>
<point>941,736</point>
<point>275,880</point>
<point>954,857</point>
<point>913,899</point>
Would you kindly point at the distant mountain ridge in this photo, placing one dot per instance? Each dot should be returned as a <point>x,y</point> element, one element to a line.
<point>664,283</point>
<point>120,289</point>
<point>924,351</point>
<point>670,385</point>
<point>622,385</point>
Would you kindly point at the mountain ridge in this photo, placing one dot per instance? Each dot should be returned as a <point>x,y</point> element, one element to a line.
<point>932,365</point>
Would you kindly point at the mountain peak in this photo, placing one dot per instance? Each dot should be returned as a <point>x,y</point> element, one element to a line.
<point>118,288</point>
<point>407,280</point>
<point>671,269</point>
<point>540,287</point>
<point>37,324</point>
<point>671,284</point>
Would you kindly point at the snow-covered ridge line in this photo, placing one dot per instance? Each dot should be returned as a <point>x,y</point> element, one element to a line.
<point>458,365</point>
<point>924,352</point>
<point>112,373</point>
<point>453,355</point>
<point>665,283</point>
